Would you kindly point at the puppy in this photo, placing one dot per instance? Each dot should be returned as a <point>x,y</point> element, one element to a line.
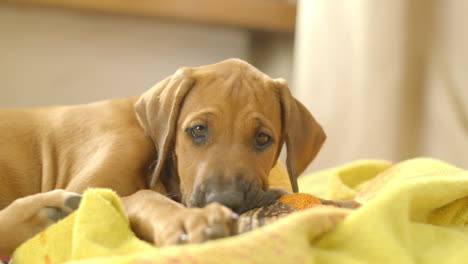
<point>186,156</point>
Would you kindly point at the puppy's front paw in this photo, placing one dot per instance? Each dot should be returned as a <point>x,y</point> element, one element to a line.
<point>29,215</point>
<point>194,225</point>
<point>36,212</point>
<point>56,205</point>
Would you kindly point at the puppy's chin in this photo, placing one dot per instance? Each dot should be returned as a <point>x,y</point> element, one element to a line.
<point>191,200</point>
<point>262,198</point>
<point>186,202</point>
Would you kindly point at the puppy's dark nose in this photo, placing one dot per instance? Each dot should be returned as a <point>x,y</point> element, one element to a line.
<point>230,199</point>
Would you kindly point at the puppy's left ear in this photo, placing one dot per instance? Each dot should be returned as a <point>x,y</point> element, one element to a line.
<point>158,110</point>
<point>302,133</point>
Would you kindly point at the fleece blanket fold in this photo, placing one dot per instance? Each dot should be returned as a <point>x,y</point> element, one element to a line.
<point>413,212</point>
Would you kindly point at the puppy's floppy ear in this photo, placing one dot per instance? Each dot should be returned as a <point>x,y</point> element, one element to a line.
<point>158,110</point>
<point>303,135</point>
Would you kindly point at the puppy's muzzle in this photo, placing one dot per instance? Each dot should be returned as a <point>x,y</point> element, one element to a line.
<point>229,198</point>
<point>238,195</point>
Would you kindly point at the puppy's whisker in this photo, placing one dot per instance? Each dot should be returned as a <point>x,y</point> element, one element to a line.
<point>152,165</point>
<point>171,195</point>
<point>171,155</point>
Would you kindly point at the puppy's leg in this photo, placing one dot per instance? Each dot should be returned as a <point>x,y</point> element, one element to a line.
<point>29,215</point>
<point>162,221</point>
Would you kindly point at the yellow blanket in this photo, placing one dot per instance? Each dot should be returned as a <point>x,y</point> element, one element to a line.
<point>414,212</point>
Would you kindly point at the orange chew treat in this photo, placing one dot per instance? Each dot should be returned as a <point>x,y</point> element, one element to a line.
<point>300,201</point>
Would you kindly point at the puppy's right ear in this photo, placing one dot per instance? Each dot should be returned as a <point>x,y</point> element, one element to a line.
<point>157,111</point>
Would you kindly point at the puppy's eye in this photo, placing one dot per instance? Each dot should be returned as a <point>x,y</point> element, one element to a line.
<point>198,133</point>
<point>263,140</point>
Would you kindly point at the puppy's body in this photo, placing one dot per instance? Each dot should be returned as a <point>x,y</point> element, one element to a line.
<point>213,133</point>
<point>69,148</point>
<point>73,148</point>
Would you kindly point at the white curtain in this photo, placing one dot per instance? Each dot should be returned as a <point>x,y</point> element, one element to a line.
<point>387,79</point>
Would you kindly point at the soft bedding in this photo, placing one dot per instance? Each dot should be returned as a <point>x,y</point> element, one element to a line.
<point>413,212</point>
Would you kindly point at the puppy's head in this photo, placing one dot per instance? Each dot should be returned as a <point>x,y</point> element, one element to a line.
<point>219,129</point>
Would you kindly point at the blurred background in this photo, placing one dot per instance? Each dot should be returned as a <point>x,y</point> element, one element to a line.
<point>386,79</point>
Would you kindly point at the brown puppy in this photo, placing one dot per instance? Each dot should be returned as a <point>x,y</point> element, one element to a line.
<point>186,154</point>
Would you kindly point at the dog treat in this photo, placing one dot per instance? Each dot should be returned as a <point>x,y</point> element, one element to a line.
<point>300,201</point>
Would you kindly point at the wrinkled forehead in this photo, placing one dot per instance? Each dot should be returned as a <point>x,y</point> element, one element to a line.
<point>233,89</point>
